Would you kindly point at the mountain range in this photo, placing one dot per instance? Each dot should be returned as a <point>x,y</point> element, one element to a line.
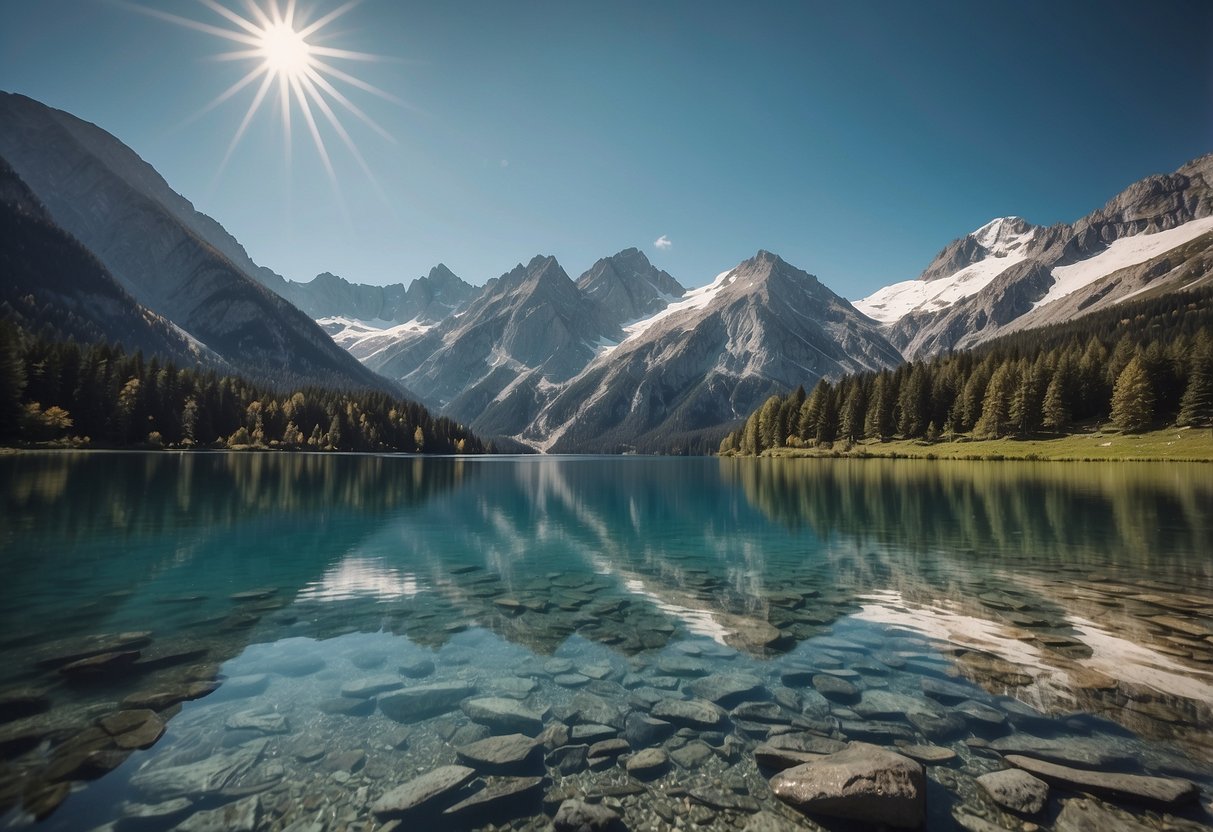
<point>624,358</point>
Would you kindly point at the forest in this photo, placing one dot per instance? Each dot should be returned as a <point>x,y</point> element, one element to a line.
<point>62,393</point>
<point>1137,366</point>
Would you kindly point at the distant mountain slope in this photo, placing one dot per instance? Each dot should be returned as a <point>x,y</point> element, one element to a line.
<point>625,358</point>
<point>1146,238</point>
<point>760,328</point>
<point>53,286</point>
<point>149,239</point>
<point>427,300</point>
<point>492,365</point>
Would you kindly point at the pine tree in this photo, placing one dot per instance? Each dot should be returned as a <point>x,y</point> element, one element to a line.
<point>810,411</point>
<point>853,409</point>
<point>1028,397</point>
<point>1196,405</point>
<point>1133,397</point>
<point>878,423</point>
<point>12,382</point>
<point>996,406</point>
<point>1057,408</point>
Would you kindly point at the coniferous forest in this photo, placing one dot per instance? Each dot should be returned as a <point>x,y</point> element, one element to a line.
<point>62,393</point>
<point>1138,365</point>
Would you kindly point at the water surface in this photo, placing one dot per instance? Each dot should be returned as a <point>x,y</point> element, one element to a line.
<point>271,608</point>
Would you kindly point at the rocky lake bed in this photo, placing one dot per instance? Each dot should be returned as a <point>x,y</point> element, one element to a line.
<point>718,667</point>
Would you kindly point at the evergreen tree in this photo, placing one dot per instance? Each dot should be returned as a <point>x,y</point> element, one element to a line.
<point>1196,406</point>
<point>1028,399</point>
<point>878,423</point>
<point>1133,397</point>
<point>996,406</point>
<point>12,382</point>
<point>854,406</point>
<point>1057,408</point>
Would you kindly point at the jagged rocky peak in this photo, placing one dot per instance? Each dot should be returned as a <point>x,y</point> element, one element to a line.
<point>1001,237</point>
<point>1156,203</point>
<point>626,286</point>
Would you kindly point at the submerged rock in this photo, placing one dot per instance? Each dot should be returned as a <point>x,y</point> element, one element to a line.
<point>579,816</point>
<point>503,800</point>
<point>692,713</point>
<point>509,754</point>
<point>1166,792</point>
<point>729,689</point>
<point>863,783</point>
<point>428,793</point>
<point>265,723</point>
<point>832,687</point>
<point>417,668</point>
<point>1069,751</point>
<point>504,715</point>
<point>197,779</point>
<point>1016,790</point>
<point>1085,815</point>
<point>371,686</point>
<point>649,763</point>
<point>424,701</point>
<point>241,816</point>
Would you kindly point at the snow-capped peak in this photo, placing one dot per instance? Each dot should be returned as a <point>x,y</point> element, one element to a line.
<point>999,237</point>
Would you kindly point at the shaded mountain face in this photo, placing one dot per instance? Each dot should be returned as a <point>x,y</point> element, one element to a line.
<point>427,300</point>
<point>172,260</point>
<point>626,358</point>
<point>492,364</point>
<point>760,328</point>
<point>1153,237</point>
<point>52,285</point>
<point>627,287</point>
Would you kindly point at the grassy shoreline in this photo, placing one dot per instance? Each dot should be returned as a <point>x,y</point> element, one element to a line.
<point>1169,445</point>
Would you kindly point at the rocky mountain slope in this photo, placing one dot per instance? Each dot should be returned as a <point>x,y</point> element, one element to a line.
<point>1008,275</point>
<point>52,285</point>
<point>172,260</point>
<point>426,300</point>
<point>760,328</point>
<point>624,358</point>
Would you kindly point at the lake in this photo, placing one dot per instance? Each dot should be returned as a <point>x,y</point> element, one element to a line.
<point>283,641</point>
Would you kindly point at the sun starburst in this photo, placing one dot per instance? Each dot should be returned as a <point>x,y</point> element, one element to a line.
<point>292,69</point>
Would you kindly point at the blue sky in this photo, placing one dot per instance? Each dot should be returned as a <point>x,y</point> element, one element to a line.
<point>855,139</point>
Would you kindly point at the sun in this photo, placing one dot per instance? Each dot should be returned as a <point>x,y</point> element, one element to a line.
<point>285,50</point>
<point>291,67</point>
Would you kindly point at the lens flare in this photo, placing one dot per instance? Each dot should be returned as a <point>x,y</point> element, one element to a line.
<point>295,68</point>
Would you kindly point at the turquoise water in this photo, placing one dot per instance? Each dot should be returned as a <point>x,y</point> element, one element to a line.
<point>313,631</point>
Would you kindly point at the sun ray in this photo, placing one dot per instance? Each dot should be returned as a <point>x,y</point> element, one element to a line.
<point>355,82</point>
<point>248,117</point>
<point>318,24</point>
<point>253,75</point>
<point>219,9</point>
<point>345,54</point>
<point>340,130</point>
<point>350,106</point>
<point>255,10</point>
<point>217,31</point>
<point>306,108</point>
<point>275,35</point>
<point>238,55</point>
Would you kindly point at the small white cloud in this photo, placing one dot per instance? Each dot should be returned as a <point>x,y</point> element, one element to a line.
<point>662,242</point>
<point>505,163</point>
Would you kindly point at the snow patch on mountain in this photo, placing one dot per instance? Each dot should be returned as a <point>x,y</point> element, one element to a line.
<point>364,338</point>
<point>693,300</point>
<point>1122,253</point>
<point>1001,237</point>
<point>890,304</point>
<point>1004,244</point>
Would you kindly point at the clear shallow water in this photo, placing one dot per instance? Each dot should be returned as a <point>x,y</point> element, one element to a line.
<point>1076,601</point>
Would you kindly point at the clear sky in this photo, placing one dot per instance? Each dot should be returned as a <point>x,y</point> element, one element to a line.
<point>855,139</point>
